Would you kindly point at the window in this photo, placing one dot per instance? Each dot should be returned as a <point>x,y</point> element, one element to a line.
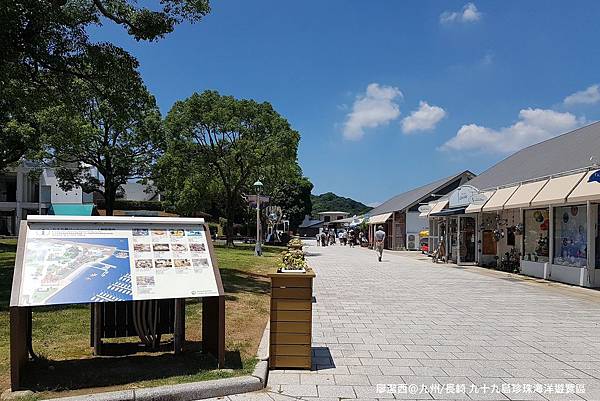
<point>536,224</point>
<point>570,236</point>
<point>327,219</point>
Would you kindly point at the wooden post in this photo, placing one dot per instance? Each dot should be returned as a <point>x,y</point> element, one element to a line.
<point>213,313</point>
<point>97,328</point>
<point>179,326</point>
<point>18,344</point>
<point>213,327</point>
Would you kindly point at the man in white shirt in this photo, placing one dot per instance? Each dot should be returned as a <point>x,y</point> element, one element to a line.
<point>379,241</point>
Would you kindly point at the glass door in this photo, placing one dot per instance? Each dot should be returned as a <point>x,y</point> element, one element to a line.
<point>453,237</point>
<point>467,240</point>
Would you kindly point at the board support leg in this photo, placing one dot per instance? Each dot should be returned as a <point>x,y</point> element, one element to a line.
<point>97,328</point>
<point>19,331</point>
<point>213,327</point>
<point>179,326</point>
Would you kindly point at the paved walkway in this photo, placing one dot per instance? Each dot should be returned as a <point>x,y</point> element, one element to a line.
<point>404,326</point>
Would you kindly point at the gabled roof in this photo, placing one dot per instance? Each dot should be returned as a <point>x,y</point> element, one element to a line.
<point>410,198</point>
<point>566,152</point>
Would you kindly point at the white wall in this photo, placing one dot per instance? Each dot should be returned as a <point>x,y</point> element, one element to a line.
<point>57,194</point>
<point>415,224</point>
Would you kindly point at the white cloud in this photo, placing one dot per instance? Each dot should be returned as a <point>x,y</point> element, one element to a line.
<point>425,118</point>
<point>488,59</point>
<point>534,125</point>
<point>375,107</point>
<point>469,13</point>
<point>587,96</point>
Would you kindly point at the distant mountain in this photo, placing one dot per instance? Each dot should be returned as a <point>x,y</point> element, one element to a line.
<point>331,202</point>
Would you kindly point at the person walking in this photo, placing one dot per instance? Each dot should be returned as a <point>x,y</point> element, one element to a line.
<point>379,241</point>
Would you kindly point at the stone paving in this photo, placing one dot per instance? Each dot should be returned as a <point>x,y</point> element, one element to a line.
<point>404,322</point>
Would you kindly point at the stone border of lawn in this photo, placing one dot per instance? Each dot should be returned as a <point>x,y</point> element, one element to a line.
<point>185,391</point>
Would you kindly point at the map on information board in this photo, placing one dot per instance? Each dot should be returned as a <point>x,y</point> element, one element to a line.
<point>82,263</point>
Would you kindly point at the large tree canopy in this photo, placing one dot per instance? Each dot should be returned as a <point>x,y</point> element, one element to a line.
<point>44,45</point>
<point>100,125</point>
<point>231,142</point>
<point>289,189</point>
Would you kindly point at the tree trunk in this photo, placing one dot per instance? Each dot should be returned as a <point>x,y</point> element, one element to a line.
<point>110,195</point>
<point>229,213</point>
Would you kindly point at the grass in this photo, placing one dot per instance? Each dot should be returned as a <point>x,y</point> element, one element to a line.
<point>61,335</point>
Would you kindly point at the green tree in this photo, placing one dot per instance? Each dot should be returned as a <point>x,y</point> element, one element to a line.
<point>291,192</point>
<point>45,45</point>
<point>233,141</point>
<point>115,131</point>
<point>332,202</point>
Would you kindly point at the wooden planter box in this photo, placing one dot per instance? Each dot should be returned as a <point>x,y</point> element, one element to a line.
<point>291,320</point>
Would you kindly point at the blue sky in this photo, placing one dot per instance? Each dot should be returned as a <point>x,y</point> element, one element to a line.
<point>390,95</point>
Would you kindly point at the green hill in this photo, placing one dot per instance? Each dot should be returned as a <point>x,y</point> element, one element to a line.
<point>331,202</point>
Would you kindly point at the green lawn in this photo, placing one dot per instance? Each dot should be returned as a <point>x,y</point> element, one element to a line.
<point>61,335</point>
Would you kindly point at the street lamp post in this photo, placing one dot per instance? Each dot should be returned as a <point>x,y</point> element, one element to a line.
<point>257,248</point>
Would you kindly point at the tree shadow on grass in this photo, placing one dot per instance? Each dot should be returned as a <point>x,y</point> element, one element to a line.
<point>237,282</point>
<point>74,374</point>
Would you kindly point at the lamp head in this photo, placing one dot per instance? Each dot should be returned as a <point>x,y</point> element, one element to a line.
<point>258,186</point>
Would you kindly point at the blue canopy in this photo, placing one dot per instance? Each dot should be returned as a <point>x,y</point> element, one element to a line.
<point>71,209</point>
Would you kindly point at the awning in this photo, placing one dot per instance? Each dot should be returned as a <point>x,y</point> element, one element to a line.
<point>438,207</point>
<point>525,194</point>
<point>71,209</point>
<point>557,190</point>
<point>450,212</point>
<point>586,190</point>
<point>476,207</point>
<point>499,198</point>
<point>379,218</point>
<point>342,221</point>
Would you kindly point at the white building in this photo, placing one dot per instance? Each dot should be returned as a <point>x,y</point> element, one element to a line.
<point>332,216</point>
<point>22,194</point>
<point>536,212</point>
<point>400,216</point>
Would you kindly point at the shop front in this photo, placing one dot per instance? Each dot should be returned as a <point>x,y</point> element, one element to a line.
<point>453,229</point>
<point>536,242</point>
<point>547,228</point>
<point>574,231</point>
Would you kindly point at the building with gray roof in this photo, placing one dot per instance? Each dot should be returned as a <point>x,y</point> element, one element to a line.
<point>535,212</point>
<point>400,215</point>
<point>570,151</point>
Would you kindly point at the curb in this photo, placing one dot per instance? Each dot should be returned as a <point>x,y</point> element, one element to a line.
<point>263,348</point>
<point>190,391</point>
<point>179,392</point>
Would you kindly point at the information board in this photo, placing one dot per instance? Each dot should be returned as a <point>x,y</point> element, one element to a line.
<point>68,262</point>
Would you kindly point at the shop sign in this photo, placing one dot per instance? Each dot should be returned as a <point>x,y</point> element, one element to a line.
<point>424,209</point>
<point>463,196</point>
<point>595,177</point>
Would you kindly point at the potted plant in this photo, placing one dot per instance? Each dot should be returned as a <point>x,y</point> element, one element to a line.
<point>292,260</point>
